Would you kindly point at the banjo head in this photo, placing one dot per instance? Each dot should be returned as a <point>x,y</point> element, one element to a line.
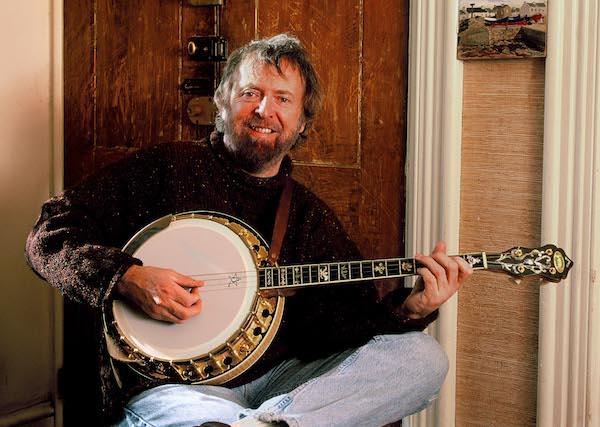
<point>236,323</point>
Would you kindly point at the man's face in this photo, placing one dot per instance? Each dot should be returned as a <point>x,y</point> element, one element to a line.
<point>263,116</point>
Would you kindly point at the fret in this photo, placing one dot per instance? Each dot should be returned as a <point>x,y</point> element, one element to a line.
<point>276,277</point>
<point>334,275</point>
<point>355,270</point>
<point>261,277</point>
<point>296,275</point>
<point>289,276</point>
<point>393,267</point>
<point>306,274</point>
<point>367,269</point>
<point>314,274</point>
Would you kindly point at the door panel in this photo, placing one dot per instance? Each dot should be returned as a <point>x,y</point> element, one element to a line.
<point>137,89</point>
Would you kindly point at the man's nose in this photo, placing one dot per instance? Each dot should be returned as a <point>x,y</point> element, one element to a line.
<point>265,107</point>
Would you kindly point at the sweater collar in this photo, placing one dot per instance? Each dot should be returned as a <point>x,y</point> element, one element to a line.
<point>275,182</point>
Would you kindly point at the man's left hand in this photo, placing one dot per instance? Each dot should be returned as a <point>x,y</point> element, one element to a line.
<point>441,276</point>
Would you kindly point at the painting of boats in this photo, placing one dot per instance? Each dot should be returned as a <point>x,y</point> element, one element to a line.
<point>498,29</point>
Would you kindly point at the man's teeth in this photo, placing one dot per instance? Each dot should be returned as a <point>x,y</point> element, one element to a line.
<point>261,130</point>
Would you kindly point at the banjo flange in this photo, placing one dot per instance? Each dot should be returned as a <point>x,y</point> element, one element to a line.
<point>226,361</point>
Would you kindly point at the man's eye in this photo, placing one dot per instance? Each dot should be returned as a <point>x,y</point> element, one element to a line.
<point>248,94</point>
<point>284,100</point>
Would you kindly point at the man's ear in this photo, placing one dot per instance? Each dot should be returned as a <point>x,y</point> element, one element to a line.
<point>302,126</point>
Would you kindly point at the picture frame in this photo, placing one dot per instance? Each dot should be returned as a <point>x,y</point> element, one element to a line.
<point>501,29</point>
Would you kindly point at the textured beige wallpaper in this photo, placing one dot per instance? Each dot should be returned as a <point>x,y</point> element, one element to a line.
<point>500,207</point>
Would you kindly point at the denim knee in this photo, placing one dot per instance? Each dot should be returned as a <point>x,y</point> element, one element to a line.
<point>433,359</point>
<point>425,358</point>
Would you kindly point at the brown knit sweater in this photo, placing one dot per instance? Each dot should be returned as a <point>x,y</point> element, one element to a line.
<point>75,247</point>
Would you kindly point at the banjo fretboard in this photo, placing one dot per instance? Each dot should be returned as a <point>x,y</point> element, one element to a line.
<point>305,275</point>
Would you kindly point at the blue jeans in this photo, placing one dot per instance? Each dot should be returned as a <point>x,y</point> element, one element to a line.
<point>388,378</point>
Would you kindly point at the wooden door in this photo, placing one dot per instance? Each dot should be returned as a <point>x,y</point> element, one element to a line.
<point>125,62</point>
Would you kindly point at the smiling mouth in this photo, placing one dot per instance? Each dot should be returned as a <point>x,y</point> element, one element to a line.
<point>261,129</point>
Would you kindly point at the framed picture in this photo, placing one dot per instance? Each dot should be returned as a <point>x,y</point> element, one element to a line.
<point>500,29</point>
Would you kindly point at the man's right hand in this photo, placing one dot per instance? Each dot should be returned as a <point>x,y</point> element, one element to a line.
<point>161,293</point>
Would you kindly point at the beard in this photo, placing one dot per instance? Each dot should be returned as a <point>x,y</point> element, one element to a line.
<point>254,154</point>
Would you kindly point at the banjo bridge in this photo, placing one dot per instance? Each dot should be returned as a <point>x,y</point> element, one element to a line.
<point>234,280</point>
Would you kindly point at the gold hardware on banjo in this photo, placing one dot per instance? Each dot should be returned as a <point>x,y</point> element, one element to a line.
<point>238,323</point>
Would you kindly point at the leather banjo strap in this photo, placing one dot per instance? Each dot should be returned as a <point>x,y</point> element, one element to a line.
<point>281,221</point>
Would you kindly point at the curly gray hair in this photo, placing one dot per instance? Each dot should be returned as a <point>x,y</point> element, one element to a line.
<point>272,51</point>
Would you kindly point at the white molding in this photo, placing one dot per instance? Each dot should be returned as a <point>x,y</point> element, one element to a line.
<point>433,165</point>
<point>569,335</point>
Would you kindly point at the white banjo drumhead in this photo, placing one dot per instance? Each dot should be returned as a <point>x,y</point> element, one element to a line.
<point>205,250</point>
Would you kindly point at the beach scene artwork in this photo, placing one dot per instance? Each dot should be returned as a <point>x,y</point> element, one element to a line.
<point>494,29</point>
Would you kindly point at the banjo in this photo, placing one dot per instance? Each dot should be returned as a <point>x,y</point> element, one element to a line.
<point>238,322</point>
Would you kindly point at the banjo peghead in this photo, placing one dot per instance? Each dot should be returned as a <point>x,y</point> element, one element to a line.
<point>549,262</point>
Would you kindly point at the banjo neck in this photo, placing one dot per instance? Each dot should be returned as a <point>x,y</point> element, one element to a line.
<point>548,262</point>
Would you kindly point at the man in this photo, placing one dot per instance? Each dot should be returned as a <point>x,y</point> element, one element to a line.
<point>341,357</point>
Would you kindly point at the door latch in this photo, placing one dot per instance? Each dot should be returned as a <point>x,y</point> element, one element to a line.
<point>207,48</point>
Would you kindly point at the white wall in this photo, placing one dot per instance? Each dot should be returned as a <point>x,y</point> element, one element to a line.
<point>28,127</point>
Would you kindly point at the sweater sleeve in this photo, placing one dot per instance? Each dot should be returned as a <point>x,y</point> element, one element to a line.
<point>75,243</point>
<point>340,316</point>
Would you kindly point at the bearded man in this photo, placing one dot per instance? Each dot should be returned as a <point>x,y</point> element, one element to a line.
<point>341,356</point>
